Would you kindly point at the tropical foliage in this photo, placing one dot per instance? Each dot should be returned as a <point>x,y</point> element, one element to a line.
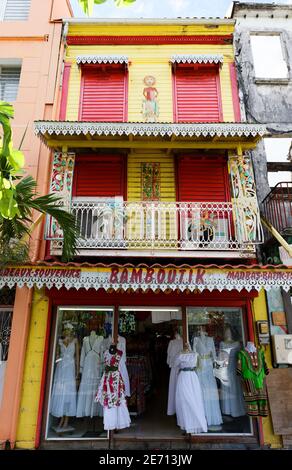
<point>87,5</point>
<point>18,200</point>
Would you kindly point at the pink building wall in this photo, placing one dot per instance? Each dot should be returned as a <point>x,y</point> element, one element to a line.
<point>37,43</point>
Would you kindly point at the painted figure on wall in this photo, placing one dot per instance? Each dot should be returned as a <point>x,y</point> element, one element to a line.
<point>150,108</point>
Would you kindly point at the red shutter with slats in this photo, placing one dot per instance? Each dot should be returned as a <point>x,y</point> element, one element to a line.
<point>197,94</point>
<point>97,176</point>
<point>202,179</point>
<point>103,93</point>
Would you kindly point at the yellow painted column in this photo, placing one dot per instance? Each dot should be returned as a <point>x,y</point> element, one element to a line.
<point>28,414</point>
<point>260,312</point>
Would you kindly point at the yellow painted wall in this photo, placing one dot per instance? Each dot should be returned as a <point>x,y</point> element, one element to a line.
<point>167,174</point>
<point>149,60</point>
<point>260,312</point>
<point>26,431</point>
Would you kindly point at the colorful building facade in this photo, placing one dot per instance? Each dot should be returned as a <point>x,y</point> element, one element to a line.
<point>150,155</point>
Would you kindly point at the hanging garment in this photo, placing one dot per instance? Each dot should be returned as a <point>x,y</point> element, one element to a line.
<point>188,396</point>
<point>204,346</point>
<point>231,398</point>
<point>175,346</point>
<point>2,372</point>
<point>123,368</point>
<point>91,363</point>
<point>111,394</point>
<point>63,398</point>
<point>253,369</point>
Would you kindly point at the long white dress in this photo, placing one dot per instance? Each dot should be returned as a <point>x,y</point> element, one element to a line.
<point>123,368</point>
<point>174,348</point>
<point>205,347</point>
<point>63,398</point>
<point>2,373</point>
<point>188,396</point>
<point>91,362</point>
<point>231,399</point>
<point>111,394</point>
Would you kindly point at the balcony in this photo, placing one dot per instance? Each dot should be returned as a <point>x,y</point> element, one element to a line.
<point>277,208</point>
<point>113,227</point>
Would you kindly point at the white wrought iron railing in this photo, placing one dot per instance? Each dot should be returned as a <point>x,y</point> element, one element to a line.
<point>115,224</point>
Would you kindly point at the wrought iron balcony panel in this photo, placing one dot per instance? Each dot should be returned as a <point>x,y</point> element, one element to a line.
<point>113,224</point>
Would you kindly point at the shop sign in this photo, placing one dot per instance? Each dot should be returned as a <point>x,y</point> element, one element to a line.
<point>154,278</point>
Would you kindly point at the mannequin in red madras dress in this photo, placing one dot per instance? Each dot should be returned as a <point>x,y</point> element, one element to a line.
<point>111,392</point>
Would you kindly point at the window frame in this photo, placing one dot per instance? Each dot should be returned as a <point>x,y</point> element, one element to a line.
<point>3,7</point>
<point>198,67</point>
<point>10,64</point>
<point>270,80</point>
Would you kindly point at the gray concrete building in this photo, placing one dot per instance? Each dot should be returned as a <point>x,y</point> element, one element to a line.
<point>263,45</point>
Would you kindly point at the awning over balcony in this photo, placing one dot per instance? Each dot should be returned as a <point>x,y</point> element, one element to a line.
<point>74,134</point>
<point>156,278</point>
<point>102,59</point>
<point>197,59</point>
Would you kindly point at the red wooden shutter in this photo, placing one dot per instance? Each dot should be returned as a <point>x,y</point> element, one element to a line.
<point>99,176</point>
<point>197,94</point>
<point>103,94</point>
<point>202,179</point>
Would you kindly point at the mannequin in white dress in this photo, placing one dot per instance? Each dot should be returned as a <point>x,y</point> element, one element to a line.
<point>123,368</point>
<point>91,362</point>
<point>174,348</point>
<point>63,398</point>
<point>188,396</point>
<point>205,347</point>
<point>231,397</point>
<point>2,372</point>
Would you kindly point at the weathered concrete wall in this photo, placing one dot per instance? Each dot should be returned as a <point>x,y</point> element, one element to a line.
<point>270,102</point>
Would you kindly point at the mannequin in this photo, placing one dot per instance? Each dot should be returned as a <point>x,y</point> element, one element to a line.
<point>2,372</point>
<point>123,368</point>
<point>252,368</point>
<point>205,347</point>
<point>231,398</point>
<point>188,395</point>
<point>91,372</point>
<point>111,392</point>
<point>174,348</point>
<point>63,398</point>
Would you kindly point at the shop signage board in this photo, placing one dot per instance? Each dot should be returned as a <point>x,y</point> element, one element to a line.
<point>163,278</point>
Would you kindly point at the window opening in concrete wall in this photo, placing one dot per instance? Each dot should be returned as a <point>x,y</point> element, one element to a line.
<point>279,162</point>
<point>269,62</point>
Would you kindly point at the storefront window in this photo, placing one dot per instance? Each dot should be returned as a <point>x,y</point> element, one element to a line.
<point>5,331</point>
<point>82,335</point>
<point>216,335</point>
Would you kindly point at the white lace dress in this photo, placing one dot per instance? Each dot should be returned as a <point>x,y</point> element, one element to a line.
<point>63,398</point>
<point>232,402</point>
<point>175,346</point>
<point>204,346</point>
<point>188,396</point>
<point>91,363</point>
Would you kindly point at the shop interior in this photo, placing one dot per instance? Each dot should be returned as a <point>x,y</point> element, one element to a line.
<point>146,333</point>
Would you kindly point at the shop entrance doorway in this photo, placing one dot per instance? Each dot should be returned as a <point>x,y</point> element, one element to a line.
<point>147,332</point>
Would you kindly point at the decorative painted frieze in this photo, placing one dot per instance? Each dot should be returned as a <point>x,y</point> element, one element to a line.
<point>246,210</point>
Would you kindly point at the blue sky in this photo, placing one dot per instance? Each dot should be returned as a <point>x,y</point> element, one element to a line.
<point>163,8</point>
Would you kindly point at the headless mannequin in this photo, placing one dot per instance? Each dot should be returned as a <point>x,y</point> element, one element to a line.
<point>68,338</point>
<point>228,336</point>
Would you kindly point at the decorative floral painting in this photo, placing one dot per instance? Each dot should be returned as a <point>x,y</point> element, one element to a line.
<point>150,181</point>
